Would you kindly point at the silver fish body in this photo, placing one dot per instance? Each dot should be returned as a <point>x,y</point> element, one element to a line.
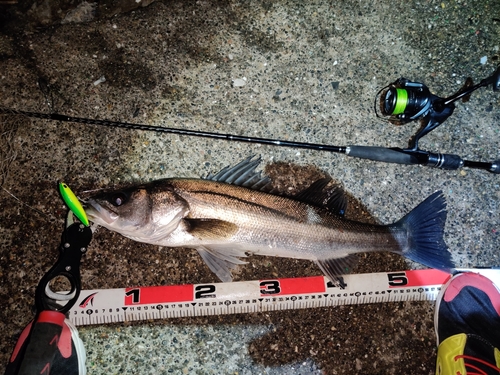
<point>225,221</point>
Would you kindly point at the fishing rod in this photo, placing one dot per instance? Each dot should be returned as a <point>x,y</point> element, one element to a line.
<point>403,100</point>
<point>387,155</point>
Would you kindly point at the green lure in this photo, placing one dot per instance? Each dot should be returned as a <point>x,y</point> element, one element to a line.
<point>73,203</point>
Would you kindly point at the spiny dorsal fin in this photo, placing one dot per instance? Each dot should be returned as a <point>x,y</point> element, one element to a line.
<point>243,174</point>
<point>333,199</point>
<point>211,228</point>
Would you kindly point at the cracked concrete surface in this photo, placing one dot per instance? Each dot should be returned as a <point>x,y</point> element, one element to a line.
<point>294,70</point>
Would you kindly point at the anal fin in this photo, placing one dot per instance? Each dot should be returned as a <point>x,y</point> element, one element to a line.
<point>334,268</point>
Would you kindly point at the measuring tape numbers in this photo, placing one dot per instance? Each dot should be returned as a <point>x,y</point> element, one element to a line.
<point>161,302</point>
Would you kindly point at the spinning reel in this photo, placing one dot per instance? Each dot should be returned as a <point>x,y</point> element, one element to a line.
<point>405,101</point>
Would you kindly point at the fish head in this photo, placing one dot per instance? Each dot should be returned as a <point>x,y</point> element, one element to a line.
<point>146,213</point>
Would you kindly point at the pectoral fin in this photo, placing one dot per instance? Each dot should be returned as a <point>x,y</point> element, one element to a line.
<point>334,268</point>
<point>211,229</point>
<point>219,263</point>
<point>222,255</point>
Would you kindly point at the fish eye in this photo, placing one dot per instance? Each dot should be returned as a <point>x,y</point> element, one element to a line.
<point>118,199</point>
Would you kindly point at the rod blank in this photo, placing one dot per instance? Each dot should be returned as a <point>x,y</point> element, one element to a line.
<point>386,155</point>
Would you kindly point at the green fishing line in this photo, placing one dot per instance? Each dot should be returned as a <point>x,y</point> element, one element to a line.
<point>401,101</point>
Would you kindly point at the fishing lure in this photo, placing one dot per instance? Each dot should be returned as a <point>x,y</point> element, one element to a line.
<point>73,203</point>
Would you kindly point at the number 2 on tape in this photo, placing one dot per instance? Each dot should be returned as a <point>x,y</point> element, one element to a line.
<point>204,291</point>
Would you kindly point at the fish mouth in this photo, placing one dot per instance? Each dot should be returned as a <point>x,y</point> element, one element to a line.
<point>98,213</point>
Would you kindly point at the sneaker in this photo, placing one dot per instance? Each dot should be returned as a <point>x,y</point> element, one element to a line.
<point>68,359</point>
<point>467,323</point>
<point>71,363</point>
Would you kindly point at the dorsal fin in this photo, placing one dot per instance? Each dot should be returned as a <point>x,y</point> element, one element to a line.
<point>243,174</point>
<point>333,199</point>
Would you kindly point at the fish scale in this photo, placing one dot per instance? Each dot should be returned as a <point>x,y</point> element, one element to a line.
<point>297,235</point>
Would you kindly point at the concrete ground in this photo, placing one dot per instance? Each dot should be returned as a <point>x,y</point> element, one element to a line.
<point>297,70</point>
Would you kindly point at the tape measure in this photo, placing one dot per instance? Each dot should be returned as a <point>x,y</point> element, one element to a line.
<point>161,302</point>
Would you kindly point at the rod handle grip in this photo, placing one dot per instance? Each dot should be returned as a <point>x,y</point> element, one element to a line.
<point>387,155</point>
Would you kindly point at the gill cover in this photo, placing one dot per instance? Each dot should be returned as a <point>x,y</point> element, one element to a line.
<point>147,213</point>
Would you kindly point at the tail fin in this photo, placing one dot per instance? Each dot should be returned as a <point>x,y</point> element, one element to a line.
<point>425,227</point>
